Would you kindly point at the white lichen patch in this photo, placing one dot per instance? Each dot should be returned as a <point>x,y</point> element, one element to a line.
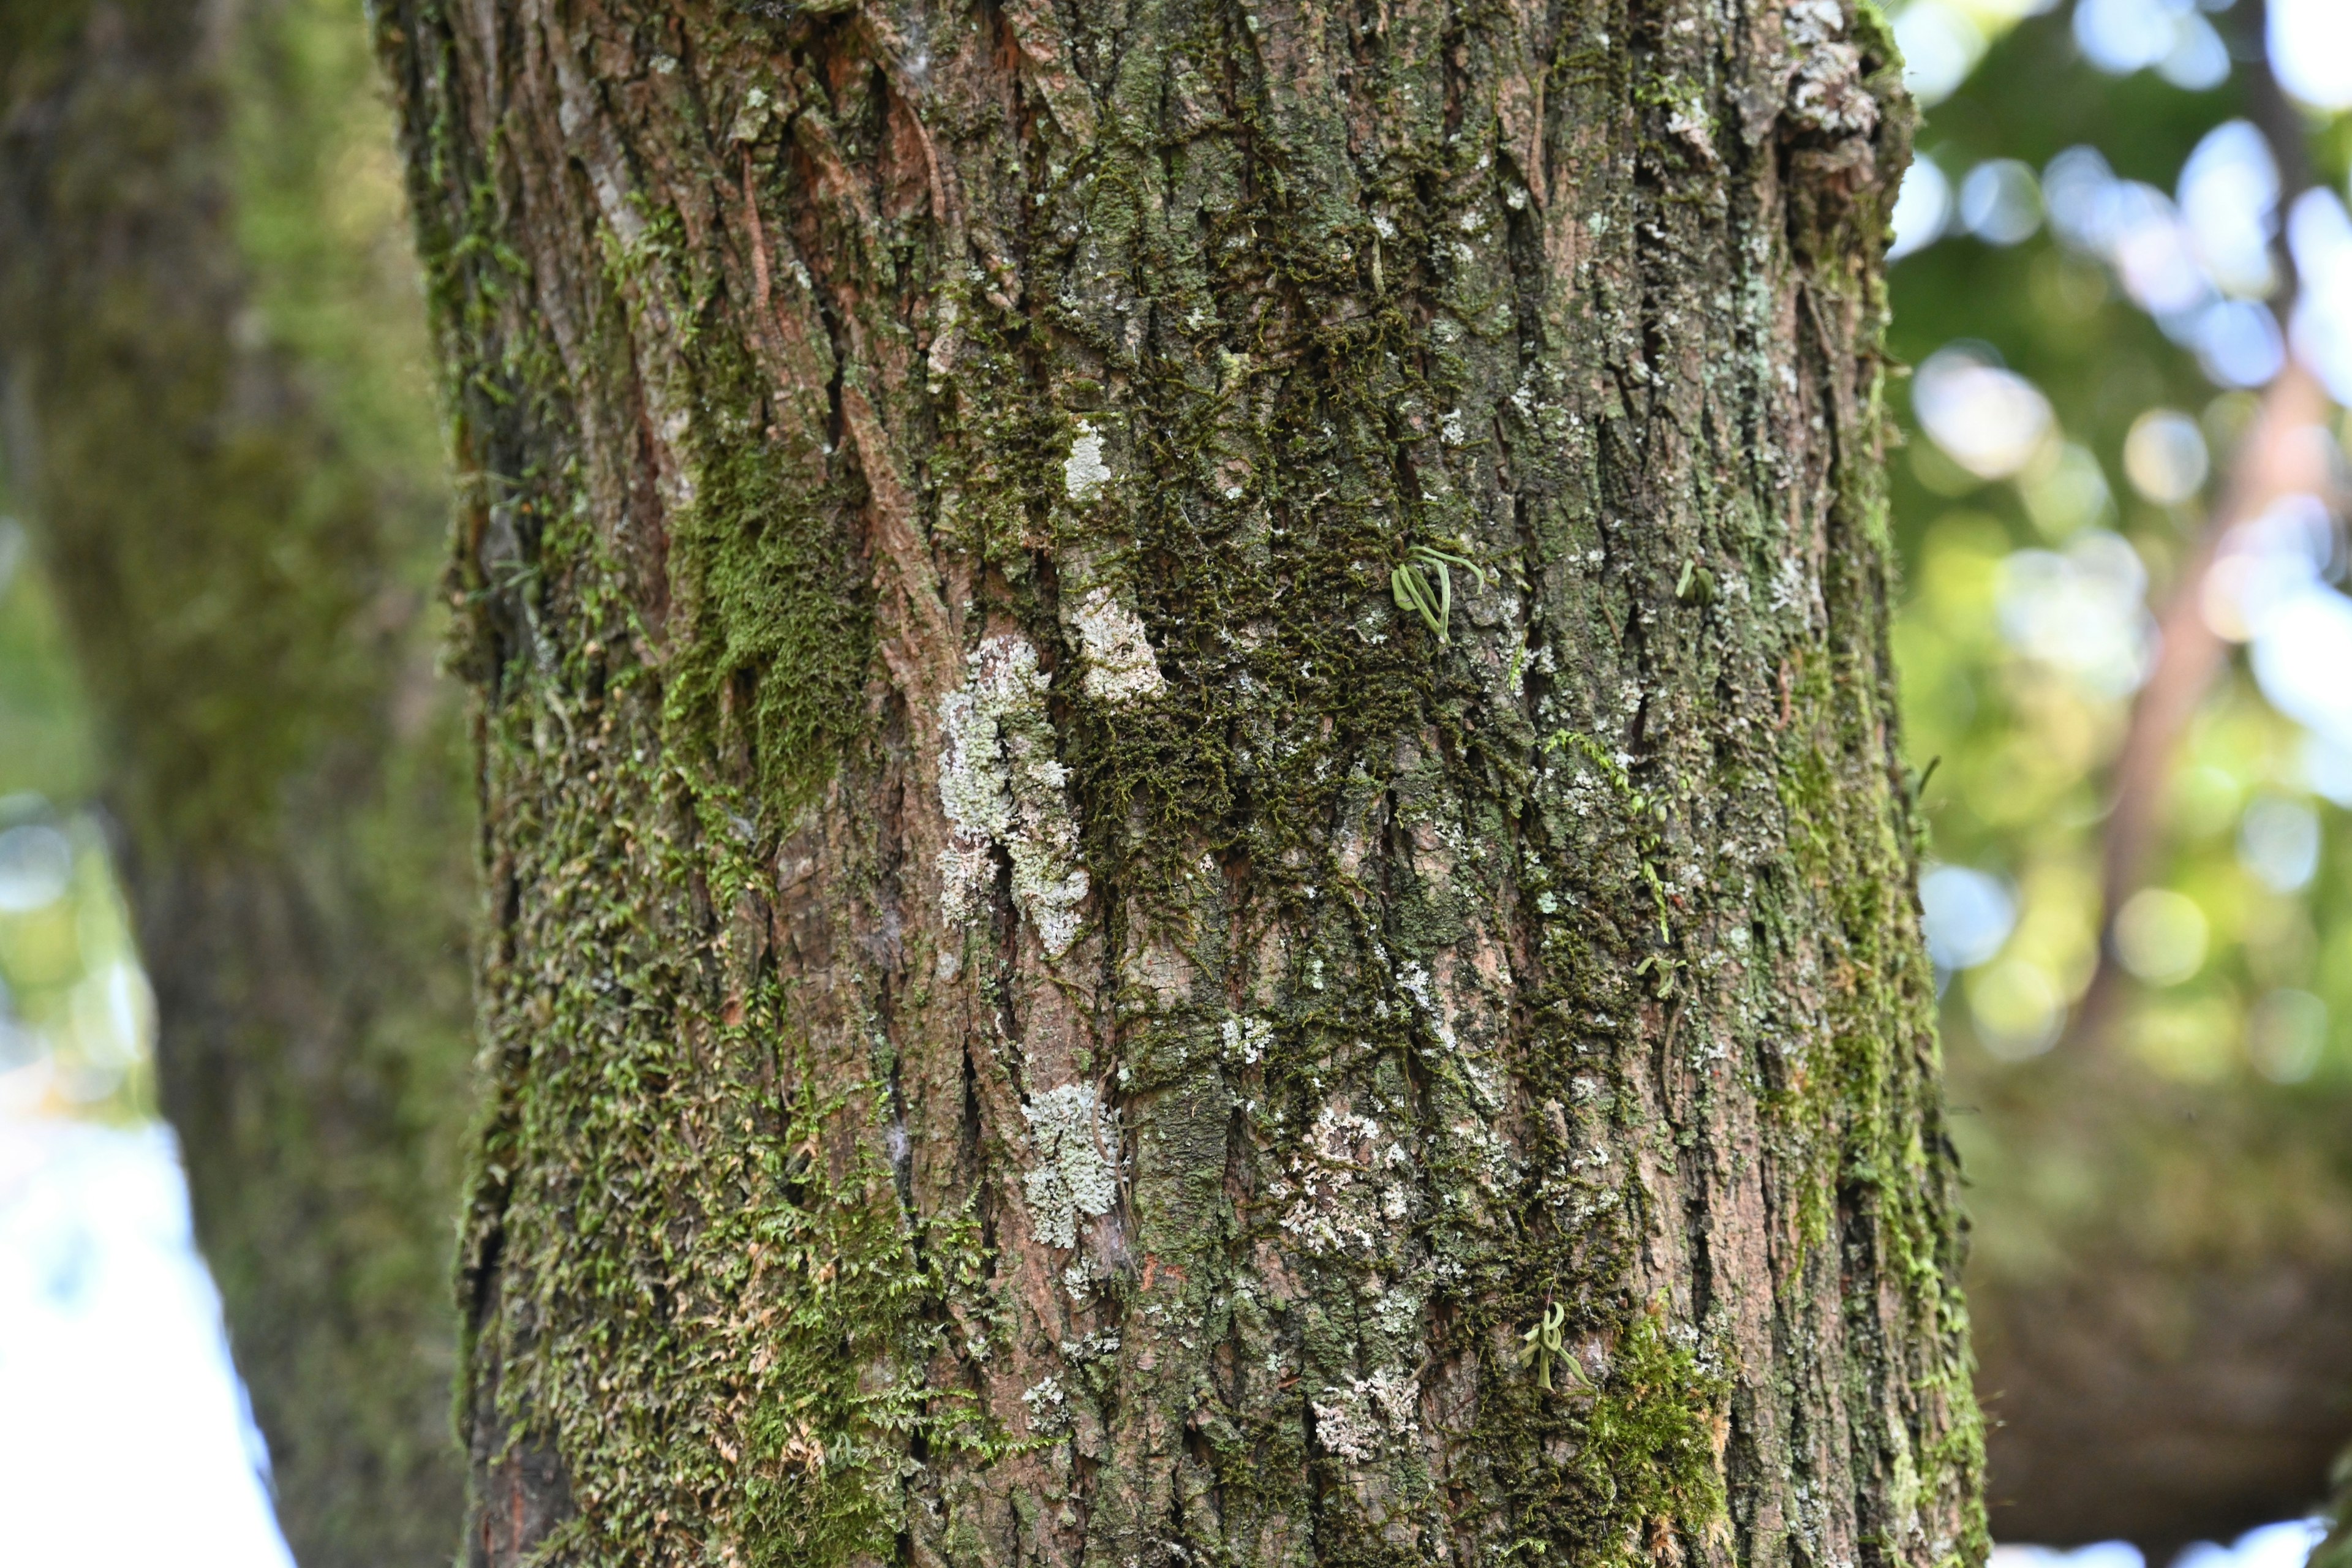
<point>1414,981</point>
<point>1338,1203</point>
<point>1084,473</point>
<point>753,118</point>
<point>1000,784</point>
<point>1247,1040</point>
<point>1049,1407</point>
<point>1792,591</point>
<point>1398,1313</point>
<point>1688,124</point>
<point>1826,91</point>
<point>1072,1175</point>
<point>942,357</point>
<point>1119,665</point>
<point>1478,1072</point>
<point>1358,1421</point>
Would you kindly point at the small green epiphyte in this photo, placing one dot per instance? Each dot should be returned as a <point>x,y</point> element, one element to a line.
<point>1409,585</point>
<point>1546,1342</point>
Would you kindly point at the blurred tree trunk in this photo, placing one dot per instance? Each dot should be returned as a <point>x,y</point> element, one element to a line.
<point>1055,991</point>
<point>2162,1293</point>
<point>219,426</point>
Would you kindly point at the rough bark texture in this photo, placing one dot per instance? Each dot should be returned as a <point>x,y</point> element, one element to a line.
<point>235,538</point>
<point>1042,1004</point>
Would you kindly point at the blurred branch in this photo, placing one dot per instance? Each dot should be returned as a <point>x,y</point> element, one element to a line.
<point>2272,460</point>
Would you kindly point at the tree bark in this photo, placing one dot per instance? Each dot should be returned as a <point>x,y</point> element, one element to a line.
<point>1055,990</point>
<point>230,482</point>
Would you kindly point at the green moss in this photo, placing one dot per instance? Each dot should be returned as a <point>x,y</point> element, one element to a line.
<point>778,629</point>
<point>1607,1472</point>
<point>745,1254</point>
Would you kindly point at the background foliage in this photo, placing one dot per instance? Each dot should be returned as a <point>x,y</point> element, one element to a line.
<point>2101,221</point>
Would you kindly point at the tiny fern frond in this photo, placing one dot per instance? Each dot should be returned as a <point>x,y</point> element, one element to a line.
<point>1412,594</point>
<point>1545,1342</point>
<point>1410,586</point>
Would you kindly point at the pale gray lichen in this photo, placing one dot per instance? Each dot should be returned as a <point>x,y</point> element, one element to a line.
<point>1085,472</point>
<point>1357,1421</point>
<point>1247,1040</point>
<point>1001,784</point>
<point>1119,665</point>
<point>752,119</point>
<point>1688,124</point>
<point>1414,981</point>
<point>1072,1175</point>
<point>1826,91</point>
<point>1337,1204</point>
<point>1049,1407</point>
<point>1398,1313</point>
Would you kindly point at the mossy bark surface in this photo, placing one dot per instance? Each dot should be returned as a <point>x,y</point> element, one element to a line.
<point>233,484</point>
<point>1195,840</point>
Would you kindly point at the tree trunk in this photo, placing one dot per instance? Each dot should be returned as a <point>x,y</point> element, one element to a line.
<point>231,475</point>
<point>1194,839</point>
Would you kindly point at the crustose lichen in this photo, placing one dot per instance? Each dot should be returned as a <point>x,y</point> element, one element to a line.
<point>1072,1175</point>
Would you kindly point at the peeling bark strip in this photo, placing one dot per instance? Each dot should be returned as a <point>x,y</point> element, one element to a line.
<point>1037,1013</point>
